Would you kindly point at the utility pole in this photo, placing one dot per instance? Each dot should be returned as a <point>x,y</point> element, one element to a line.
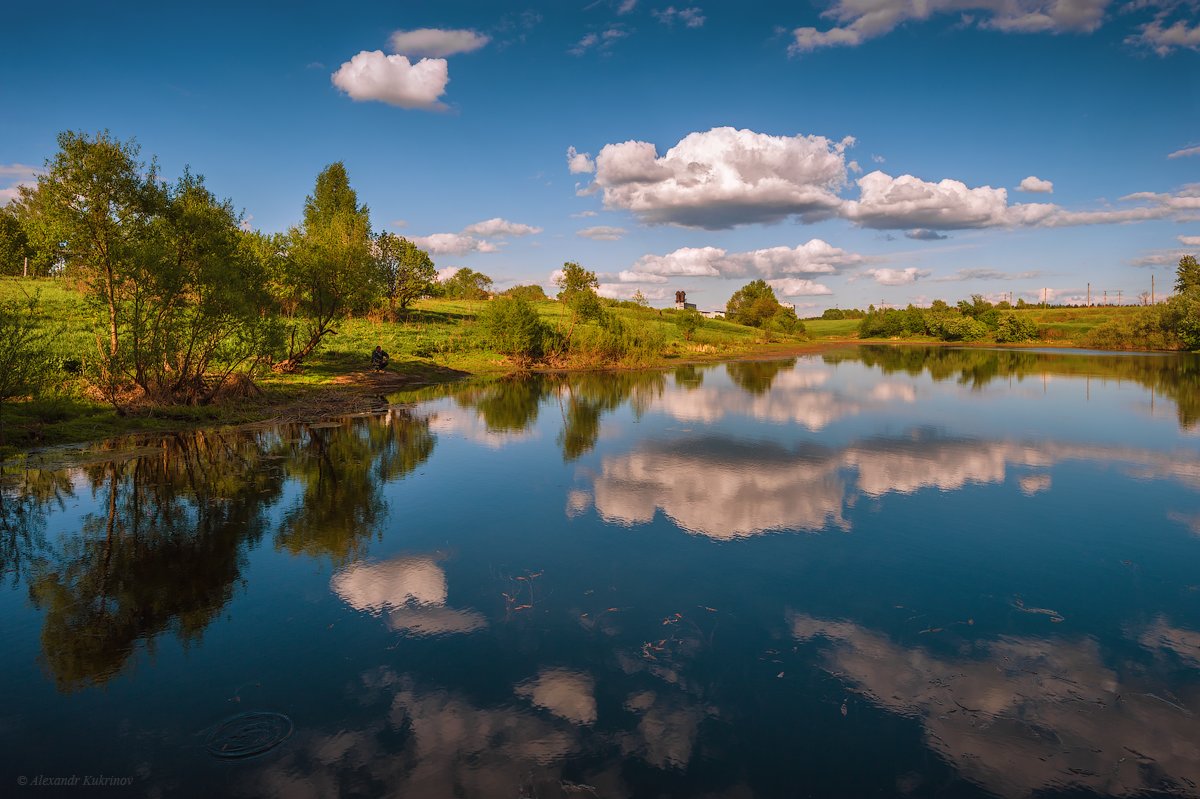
<point>1151,288</point>
<point>1118,296</point>
<point>1089,295</point>
<point>1106,297</point>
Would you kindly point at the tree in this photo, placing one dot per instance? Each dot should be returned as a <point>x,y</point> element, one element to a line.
<point>574,279</point>
<point>164,267</point>
<point>577,290</point>
<point>753,304</point>
<point>467,284</point>
<point>688,322</point>
<point>640,299</point>
<point>99,201</point>
<point>329,270</point>
<point>1187,275</point>
<point>405,269</point>
<point>18,254</point>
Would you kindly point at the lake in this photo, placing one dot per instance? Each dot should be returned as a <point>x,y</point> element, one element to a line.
<point>874,571</point>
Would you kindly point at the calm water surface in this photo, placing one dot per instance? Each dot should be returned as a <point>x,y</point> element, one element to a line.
<point>878,572</point>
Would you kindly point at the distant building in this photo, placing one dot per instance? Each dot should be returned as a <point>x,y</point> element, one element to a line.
<point>681,303</point>
<point>713,314</point>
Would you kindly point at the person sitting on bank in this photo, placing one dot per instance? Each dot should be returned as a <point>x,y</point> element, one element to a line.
<point>379,359</point>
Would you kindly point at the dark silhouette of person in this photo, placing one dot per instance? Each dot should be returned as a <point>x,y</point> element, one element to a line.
<point>379,359</point>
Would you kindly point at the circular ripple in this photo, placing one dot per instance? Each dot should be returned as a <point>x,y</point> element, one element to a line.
<point>248,734</point>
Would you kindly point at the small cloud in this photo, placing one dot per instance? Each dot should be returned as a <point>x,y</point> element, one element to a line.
<point>924,234</point>
<point>1185,152</point>
<point>394,80</point>
<point>453,244</point>
<point>601,233</point>
<point>626,6</point>
<point>16,176</point>
<point>314,65</point>
<point>500,227</point>
<point>798,287</point>
<point>399,223</point>
<point>1190,241</point>
<point>436,42</point>
<point>584,215</point>
<point>879,159</point>
<point>579,163</point>
<point>599,41</point>
<point>689,17</point>
<point>896,277</point>
<point>1035,185</point>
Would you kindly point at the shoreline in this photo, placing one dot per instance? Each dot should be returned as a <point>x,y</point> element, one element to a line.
<point>367,392</point>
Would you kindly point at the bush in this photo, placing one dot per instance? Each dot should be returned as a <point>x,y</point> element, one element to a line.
<point>689,322</point>
<point>615,340</point>
<point>963,328</point>
<point>1010,328</point>
<point>514,328</point>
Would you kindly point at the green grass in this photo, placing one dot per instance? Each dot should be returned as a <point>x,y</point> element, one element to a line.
<point>832,328</point>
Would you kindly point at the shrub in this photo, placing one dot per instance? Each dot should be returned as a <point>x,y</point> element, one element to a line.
<point>963,328</point>
<point>514,328</point>
<point>1011,327</point>
<point>688,323</point>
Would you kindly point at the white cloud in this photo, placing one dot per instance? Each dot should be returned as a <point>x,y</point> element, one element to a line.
<point>394,80</point>
<point>601,233</point>
<point>690,17</point>
<point>472,238</point>
<point>909,202</point>
<point>724,177</point>
<point>453,244</point>
<point>500,227</point>
<point>628,276</point>
<point>1036,185</point>
<point>626,6</point>
<point>436,42</point>
<point>691,261</point>
<point>858,21</point>
<point>1164,34</point>
<point>626,291</point>
<point>446,273</point>
<point>584,215</point>
<point>1190,241</point>
<point>887,202</point>
<point>815,257</point>
<point>1185,152</point>
<point>579,163</point>
<point>896,277</point>
<point>16,175</point>
<point>797,287</point>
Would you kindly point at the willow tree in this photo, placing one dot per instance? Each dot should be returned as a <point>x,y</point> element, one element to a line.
<point>329,269</point>
<point>177,299</point>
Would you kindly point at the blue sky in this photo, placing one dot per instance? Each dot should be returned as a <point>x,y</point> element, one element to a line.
<point>857,152</point>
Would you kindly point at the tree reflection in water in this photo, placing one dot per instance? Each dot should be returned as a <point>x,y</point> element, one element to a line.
<point>167,548</point>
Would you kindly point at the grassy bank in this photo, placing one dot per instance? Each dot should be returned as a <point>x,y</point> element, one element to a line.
<point>436,341</point>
